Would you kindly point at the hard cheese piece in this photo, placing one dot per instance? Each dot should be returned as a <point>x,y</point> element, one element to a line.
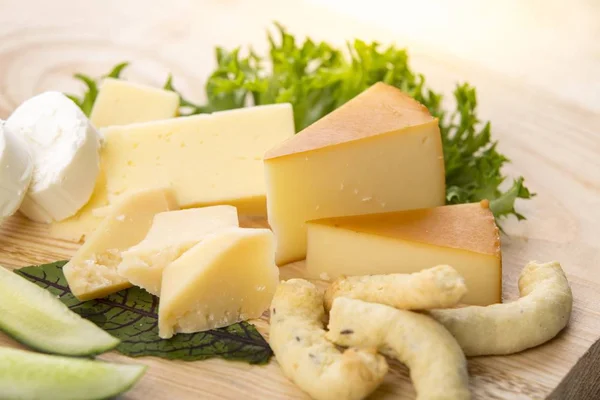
<point>65,152</point>
<point>120,102</point>
<point>16,168</point>
<point>379,152</point>
<point>463,236</point>
<point>92,272</point>
<point>229,152</point>
<point>207,159</point>
<point>87,219</point>
<point>229,277</point>
<point>172,233</point>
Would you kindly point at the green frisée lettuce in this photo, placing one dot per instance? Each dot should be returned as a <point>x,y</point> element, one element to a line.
<point>316,78</point>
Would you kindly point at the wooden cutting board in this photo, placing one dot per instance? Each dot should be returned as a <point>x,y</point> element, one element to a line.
<point>554,143</point>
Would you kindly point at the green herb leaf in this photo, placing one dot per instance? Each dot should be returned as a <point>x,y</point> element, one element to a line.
<point>504,204</point>
<point>117,69</point>
<point>86,102</point>
<point>317,78</point>
<point>131,315</point>
<point>186,107</point>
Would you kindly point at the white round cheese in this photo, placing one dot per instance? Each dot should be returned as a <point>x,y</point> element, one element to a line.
<point>65,151</point>
<point>16,168</point>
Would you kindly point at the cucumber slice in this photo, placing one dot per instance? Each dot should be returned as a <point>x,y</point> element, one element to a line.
<point>32,376</point>
<point>36,318</point>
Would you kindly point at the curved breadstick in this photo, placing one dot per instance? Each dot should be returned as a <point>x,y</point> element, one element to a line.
<point>438,367</point>
<point>542,311</point>
<point>437,287</point>
<point>298,340</point>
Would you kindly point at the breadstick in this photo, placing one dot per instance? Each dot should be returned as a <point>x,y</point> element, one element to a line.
<point>438,367</point>
<point>541,312</point>
<point>313,363</point>
<point>437,287</point>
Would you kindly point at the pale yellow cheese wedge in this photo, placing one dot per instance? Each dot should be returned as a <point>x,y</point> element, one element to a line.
<point>85,220</point>
<point>463,236</point>
<point>92,271</point>
<point>121,102</point>
<point>172,233</point>
<point>379,152</point>
<point>228,277</point>
<point>207,159</point>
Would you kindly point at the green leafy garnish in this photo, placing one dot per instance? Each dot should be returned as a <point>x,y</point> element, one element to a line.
<point>316,78</point>
<point>130,315</point>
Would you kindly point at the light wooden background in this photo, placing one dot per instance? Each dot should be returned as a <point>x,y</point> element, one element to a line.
<point>537,69</point>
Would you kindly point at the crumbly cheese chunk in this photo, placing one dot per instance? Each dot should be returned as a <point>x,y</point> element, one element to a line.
<point>172,233</point>
<point>228,277</point>
<point>92,271</point>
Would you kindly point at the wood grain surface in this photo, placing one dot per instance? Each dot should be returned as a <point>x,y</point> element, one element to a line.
<point>552,141</point>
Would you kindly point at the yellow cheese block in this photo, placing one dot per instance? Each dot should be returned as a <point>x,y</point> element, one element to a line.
<point>379,152</point>
<point>85,220</point>
<point>172,234</point>
<point>207,159</point>
<point>92,271</point>
<point>120,102</point>
<point>463,236</point>
<point>228,277</point>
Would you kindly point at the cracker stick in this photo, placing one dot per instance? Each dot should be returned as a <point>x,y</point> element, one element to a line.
<point>313,363</point>
<point>438,367</point>
<point>436,287</point>
<point>542,311</point>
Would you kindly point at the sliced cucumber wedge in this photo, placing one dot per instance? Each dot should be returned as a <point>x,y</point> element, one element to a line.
<point>36,318</point>
<point>32,376</point>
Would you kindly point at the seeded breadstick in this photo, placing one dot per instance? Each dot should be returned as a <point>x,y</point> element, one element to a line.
<point>437,287</point>
<point>542,311</point>
<point>438,367</point>
<point>313,363</point>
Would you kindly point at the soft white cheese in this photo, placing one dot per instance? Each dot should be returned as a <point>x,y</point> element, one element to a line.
<point>16,168</point>
<point>65,151</point>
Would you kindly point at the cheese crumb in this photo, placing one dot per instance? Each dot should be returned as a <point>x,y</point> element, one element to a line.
<point>325,276</point>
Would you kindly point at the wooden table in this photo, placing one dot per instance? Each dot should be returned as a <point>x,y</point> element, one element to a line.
<point>536,69</point>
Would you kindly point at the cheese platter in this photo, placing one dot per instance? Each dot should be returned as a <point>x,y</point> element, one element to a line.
<point>363,182</point>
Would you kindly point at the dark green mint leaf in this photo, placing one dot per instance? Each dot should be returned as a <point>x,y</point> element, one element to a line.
<point>131,315</point>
